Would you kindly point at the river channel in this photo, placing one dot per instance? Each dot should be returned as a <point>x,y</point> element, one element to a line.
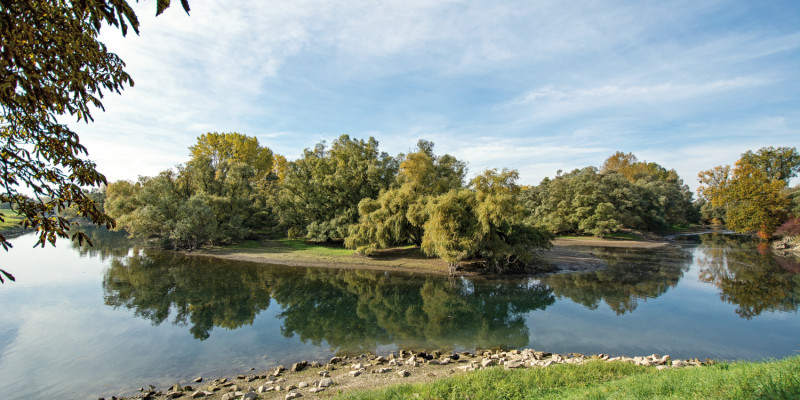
<point>101,321</point>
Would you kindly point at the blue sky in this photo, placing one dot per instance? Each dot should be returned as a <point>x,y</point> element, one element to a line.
<point>533,85</point>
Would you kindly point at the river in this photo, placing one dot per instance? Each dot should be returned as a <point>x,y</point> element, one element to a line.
<point>101,321</point>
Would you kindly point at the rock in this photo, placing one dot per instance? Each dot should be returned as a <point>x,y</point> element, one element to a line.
<point>293,395</point>
<point>513,364</point>
<point>302,385</point>
<point>198,379</point>
<point>355,373</point>
<point>325,382</point>
<point>198,394</point>
<point>314,364</point>
<point>297,367</point>
<point>381,370</point>
<point>357,366</point>
<point>250,396</point>
<point>335,360</point>
<point>487,362</point>
<point>403,373</point>
<point>316,390</point>
<point>290,388</point>
<point>262,389</point>
<point>677,363</point>
<point>380,359</point>
<point>228,396</point>
<point>324,373</point>
<point>240,377</point>
<point>176,388</point>
<point>393,361</point>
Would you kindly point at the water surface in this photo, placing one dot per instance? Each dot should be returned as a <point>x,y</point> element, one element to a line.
<point>105,320</point>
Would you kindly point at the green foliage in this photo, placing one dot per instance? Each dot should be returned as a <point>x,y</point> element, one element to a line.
<point>585,201</point>
<point>319,196</point>
<point>54,67</point>
<point>485,222</point>
<point>779,164</point>
<point>233,148</point>
<point>398,215</point>
<point>753,194</point>
<point>213,199</point>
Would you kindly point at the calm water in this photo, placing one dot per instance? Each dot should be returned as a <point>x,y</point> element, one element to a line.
<point>83,323</point>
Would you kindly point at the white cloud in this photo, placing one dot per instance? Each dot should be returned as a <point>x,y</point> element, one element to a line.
<point>550,102</point>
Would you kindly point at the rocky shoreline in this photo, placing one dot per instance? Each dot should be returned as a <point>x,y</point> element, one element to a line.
<point>367,371</point>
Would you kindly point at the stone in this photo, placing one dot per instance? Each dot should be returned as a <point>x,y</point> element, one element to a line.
<point>324,373</point>
<point>316,390</point>
<point>290,388</point>
<point>355,373</point>
<point>250,396</point>
<point>445,361</point>
<point>240,377</point>
<point>393,361</point>
<point>228,396</point>
<point>403,373</point>
<point>176,388</point>
<point>487,362</point>
<point>262,389</point>
<point>293,395</point>
<point>198,379</point>
<point>198,394</point>
<point>298,366</point>
<point>357,366</point>
<point>381,370</point>
<point>314,364</point>
<point>513,364</point>
<point>380,359</point>
<point>278,388</point>
<point>325,382</point>
<point>251,389</point>
<point>335,360</point>
<point>302,385</point>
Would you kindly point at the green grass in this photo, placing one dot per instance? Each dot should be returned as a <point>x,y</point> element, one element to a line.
<point>316,249</point>
<point>295,246</point>
<point>11,219</point>
<point>610,380</point>
<point>612,236</point>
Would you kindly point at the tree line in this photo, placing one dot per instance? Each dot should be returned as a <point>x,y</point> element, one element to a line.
<point>233,188</point>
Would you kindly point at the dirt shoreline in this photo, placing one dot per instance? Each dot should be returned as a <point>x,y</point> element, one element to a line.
<point>567,255</point>
<point>368,371</point>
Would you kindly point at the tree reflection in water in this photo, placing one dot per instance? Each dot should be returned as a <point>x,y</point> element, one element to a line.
<point>631,275</point>
<point>754,281</point>
<point>349,310</point>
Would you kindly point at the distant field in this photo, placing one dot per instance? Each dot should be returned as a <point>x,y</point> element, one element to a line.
<point>11,219</point>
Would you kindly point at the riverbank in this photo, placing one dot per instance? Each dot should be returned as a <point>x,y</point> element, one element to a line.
<point>343,375</point>
<point>495,374</point>
<point>567,254</point>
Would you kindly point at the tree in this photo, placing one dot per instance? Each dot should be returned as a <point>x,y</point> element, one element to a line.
<point>52,67</point>
<point>754,193</point>
<point>486,223</point>
<point>320,192</point>
<point>213,198</point>
<point>398,215</point>
<point>233,147</point>
<point>779,164</point>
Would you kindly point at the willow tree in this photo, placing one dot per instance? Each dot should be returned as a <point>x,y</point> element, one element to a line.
<point>398,214</point>
<point>53,68</point>
<point>484,223</point>
<point>319,194</point>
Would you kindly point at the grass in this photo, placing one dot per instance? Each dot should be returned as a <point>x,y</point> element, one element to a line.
<point>611,236</point>
<point>11,219</point>
<point>610,380</point>
<point>297,247</point>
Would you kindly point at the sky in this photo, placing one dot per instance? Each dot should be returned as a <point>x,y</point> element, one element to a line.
<point>537,86</point>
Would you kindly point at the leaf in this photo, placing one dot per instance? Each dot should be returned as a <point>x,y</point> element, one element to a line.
<point>8,275</point>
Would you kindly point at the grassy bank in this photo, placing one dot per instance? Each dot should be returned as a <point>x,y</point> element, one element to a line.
<point>601,380</point>
<point>11,219</point>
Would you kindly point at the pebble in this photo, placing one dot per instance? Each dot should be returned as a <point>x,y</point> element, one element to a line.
<point>325,382</point>
<point>198,379</point>
<point>293,395</point>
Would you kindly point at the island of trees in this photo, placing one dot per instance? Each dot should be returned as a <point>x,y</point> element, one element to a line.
<point>349,191</point>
